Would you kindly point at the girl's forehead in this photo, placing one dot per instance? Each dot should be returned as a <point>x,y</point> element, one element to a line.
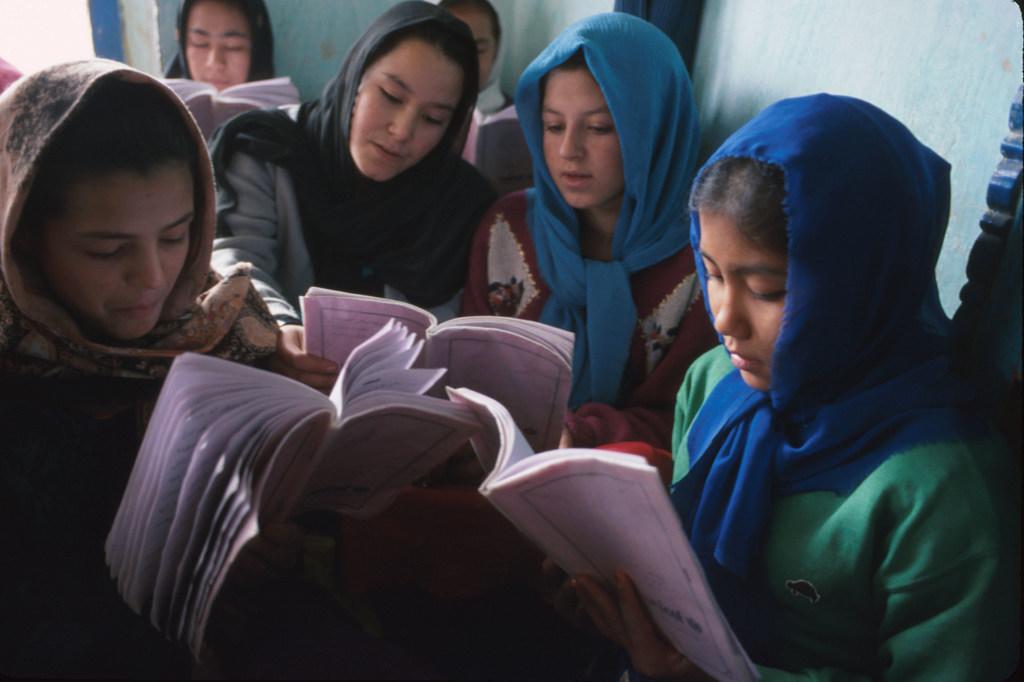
<point>575,87</point>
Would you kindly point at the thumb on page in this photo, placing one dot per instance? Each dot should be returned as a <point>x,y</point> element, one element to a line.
<point>650,652</point>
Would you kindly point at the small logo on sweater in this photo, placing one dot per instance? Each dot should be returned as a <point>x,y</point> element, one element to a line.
<point>803,588</point>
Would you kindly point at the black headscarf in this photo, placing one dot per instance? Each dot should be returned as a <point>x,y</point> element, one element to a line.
<point>411,232</point>
<point>261,65</point>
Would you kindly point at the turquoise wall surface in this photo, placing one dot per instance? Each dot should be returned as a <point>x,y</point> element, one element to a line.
<point>312,36</point>
<point>947,68</point>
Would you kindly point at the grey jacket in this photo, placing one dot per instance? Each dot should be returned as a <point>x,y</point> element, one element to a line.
<point>266,230</point>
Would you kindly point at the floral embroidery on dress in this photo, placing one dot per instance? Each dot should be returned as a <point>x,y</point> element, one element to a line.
<point>660,328</point>
<point>510,284</point>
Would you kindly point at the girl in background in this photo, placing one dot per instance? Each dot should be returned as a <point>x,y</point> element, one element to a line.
<point>599,246</point>
<point>855,516</point>
<point>485,25</point>
<point>358,190</point>
<point>491,139</point>
<point>223,42</point>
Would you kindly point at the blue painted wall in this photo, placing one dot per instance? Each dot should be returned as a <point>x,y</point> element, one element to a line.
<point>947,68</point>
<point>105,16</point>
<point>312,36</point>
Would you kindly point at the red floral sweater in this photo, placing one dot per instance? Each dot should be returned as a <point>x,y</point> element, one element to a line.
<point>672,327</point>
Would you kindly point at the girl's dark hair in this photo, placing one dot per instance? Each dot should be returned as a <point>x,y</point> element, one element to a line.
<point>451,45</point>
<point>575,62</point>
<point>120,126</point>
<point>750,192</point>
<point>460,51</point>
<point>481,6</point>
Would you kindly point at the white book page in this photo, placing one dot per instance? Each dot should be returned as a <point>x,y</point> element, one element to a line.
<point>154,511</point>
<point>411,381</point>
<point>595,512</point>
<point>212,499</point>
<point>234,525</point>
<point>206,555</point>
<point>226,441</point>
<point>244,529</point>
<point>120,547</point>
<point>532,384</point>
<point>186,87</point>
<point>136,502</point>
<point>211,108</point>
<point>220,397</point>
<point>208,452</point>
<point>279,89</point>
<point>499,442</point>
<point>197,390</point>
<point>336,322</point>
<point>559,341</point>
<point>392,346</point>
<point>290,465</point>
<point>385,441</point>
<point>383,362</point>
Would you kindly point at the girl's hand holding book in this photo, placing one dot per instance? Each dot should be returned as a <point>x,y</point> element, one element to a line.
<point>293,361</point>
<point>621,616</point>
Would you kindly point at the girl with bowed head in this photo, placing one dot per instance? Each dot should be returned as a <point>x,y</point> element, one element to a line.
<point>854,514</point>
<point>107,210</point>
<point>358,190</point>
<point>223,42</point>
<point>599,245</point>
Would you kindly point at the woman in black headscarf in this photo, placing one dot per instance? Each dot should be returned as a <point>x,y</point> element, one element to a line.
<point>358,190</point>
<point>199,46</point>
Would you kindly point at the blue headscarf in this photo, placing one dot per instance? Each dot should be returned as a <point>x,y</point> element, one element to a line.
<point>861,364</point>
<point>648,92</point>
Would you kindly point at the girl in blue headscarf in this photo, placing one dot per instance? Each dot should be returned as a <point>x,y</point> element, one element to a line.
<point>599,246</point>
<point>855,517</point>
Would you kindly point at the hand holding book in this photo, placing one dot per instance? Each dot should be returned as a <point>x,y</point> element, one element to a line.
<point>231,449</point>
<point>598,513</point>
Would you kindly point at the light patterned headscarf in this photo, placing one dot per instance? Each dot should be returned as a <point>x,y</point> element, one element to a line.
<point>38,335</point>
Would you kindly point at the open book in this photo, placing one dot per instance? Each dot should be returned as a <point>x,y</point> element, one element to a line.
<point>594,512</point>
<point>211,107</point>
<point>524,365</point>
<point>230,448</point>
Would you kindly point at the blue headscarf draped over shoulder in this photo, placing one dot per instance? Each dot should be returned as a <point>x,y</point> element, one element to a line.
<point>861,365</point>
<point>648,92</point>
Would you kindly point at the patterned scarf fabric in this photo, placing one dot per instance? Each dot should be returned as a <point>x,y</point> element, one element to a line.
<point>39,336</point>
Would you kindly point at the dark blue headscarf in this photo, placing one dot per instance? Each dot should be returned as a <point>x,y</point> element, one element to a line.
<point>861,364</point>
<point>648,92</point>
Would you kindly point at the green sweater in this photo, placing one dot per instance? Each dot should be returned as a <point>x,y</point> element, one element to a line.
<point>912,576</point>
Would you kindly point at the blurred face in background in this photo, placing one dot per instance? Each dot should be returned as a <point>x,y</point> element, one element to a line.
<point>483,35</point>
<point>218,45</point>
